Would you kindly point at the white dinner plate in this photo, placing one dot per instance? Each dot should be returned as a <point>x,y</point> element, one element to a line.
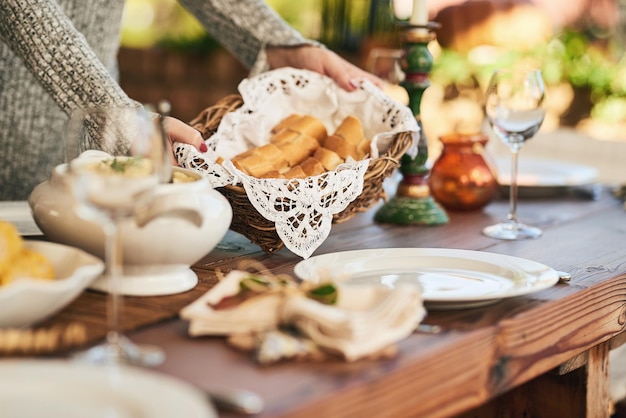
<point>20,215</point>
<point>449,278</point>
<point>63,389</point>
<point>539,173</point>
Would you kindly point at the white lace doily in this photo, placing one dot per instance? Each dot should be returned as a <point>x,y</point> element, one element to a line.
<point>302,209</point>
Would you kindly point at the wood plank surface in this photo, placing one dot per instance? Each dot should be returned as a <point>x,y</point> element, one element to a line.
<point>483,354</point>
<point>485,357</point>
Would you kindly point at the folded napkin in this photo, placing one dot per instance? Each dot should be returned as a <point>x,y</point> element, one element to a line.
<point>255,315</point>
<point>363,319</point>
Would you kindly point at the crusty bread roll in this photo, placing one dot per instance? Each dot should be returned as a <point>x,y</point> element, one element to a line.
<point>300,146</point>
<point>312,166</point>
<point>274,174</point>
<point>328,158</point>
<point>282,136</point>
<point>285,122</point>
<point>301,124</point>
<point>299,149</point>
<point>258,161</point>
<point>341,146</point>
<point>351,130</point>
<point>272,153</point>
<point>309,125</point>
<point>363,149</point>
<point>254,165</point>
<point>295,173</point>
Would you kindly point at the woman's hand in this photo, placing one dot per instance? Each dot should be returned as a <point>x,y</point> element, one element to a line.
<point>313,58</point>
<point>323,61</point>
<point>178,131</point>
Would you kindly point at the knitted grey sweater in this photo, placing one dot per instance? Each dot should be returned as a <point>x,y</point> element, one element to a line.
<point>57,55</point>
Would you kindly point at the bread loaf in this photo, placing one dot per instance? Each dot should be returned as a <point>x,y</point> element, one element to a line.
<point>284,123</point>
<point>328,158</point>
<point>295,173</point>
<point>363,149</point>
<point>351,130</point>
<point>312,167</point>
<point>300,147</point>
<point>259,161</point>
<point>274,174</point>
<point>341,146</point>
<point>309,125</point>
<point>283,136</point>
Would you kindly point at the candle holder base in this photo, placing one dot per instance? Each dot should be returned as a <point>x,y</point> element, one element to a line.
<point>412,205</point>
<point>412,211</point>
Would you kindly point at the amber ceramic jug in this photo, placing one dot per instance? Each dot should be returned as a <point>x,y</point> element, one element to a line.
<point>463,177</point>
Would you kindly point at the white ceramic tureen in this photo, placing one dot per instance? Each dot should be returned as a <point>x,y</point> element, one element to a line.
<point>186,220</point>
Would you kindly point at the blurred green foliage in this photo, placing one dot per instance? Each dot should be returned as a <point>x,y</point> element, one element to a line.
<point>573,57</point>
<point>166,24</point>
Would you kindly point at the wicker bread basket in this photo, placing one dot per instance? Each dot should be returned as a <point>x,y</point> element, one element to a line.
<point>261,231</point>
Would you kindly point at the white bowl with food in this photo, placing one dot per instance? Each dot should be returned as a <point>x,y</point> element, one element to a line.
<point>185,221</point>
<point>38,278</point>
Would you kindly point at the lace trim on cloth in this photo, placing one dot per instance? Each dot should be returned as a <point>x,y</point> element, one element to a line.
<point>302,209</point>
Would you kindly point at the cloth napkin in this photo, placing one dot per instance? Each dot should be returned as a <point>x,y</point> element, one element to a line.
<point>256,315</point>
<point>365,319</point>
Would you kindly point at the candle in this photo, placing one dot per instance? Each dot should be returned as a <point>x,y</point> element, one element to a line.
<point>420,13</point>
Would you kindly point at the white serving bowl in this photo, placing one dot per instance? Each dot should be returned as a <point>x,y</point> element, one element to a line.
<point>26,301</point>
<point>185,222</point>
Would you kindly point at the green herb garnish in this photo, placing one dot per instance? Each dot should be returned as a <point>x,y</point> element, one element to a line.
<point>326,294</point>
<point>257,284</point>
<point>121,165</point>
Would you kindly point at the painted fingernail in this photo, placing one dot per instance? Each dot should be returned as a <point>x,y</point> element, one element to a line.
<point>355,83</point>
<point>203,147</point>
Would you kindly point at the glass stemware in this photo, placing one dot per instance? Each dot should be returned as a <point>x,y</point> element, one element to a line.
<point>514,106</point>
<point>108,190</point>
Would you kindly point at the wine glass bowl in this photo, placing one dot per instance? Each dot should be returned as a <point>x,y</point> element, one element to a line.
<point>514,107</point>
<point>108,191</point>
<point>111,188</point>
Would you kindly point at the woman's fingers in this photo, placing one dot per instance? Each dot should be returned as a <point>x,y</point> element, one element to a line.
<point>178,131</point>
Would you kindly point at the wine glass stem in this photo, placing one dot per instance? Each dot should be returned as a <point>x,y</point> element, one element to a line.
<point>512,217</point>
<point>113,260</point>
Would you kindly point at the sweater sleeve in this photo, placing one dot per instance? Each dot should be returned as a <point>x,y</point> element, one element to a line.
<point>246,28</point>
<point>58,55</point>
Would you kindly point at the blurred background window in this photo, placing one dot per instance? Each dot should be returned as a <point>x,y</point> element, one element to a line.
<point>579,45</point>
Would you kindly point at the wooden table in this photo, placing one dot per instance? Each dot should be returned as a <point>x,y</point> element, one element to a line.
<point>542,355</point>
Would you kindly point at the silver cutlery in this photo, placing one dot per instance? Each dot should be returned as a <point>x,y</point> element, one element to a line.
<point>564,276</point>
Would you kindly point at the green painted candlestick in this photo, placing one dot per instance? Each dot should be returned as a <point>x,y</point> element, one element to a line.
<point>413,204</point>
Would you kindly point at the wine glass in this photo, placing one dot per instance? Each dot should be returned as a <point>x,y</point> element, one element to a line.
<point>108,189</point>
<point>514,105</point>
